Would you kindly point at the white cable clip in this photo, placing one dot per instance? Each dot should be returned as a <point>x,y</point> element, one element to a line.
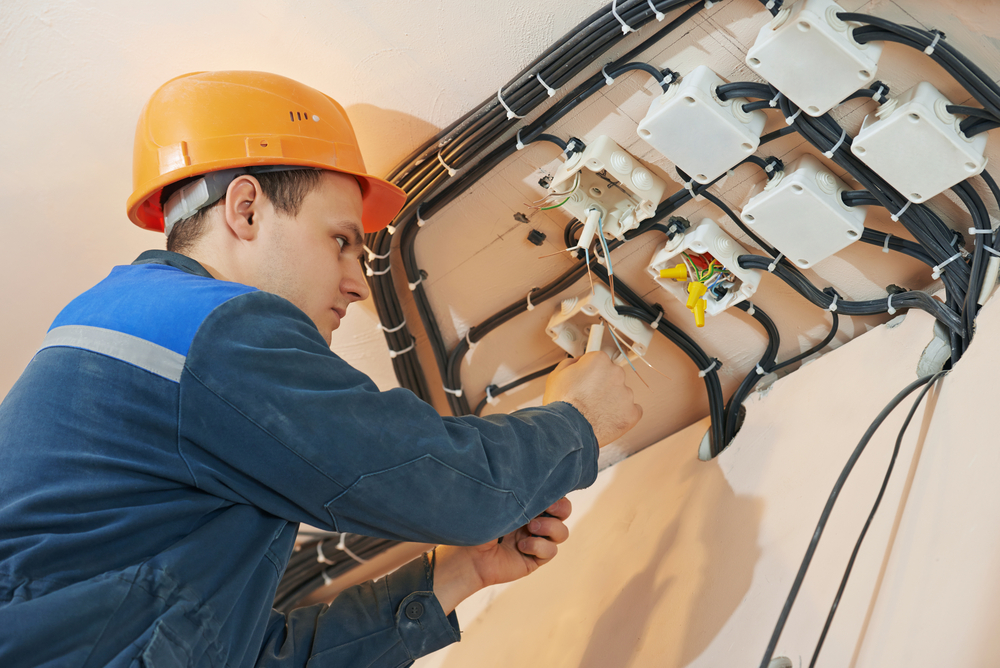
<point>770,5</point>
<point>391,229</point>
<point>976,230</point>
<point>371,272</point>
<point>833,304</point>
<point>843,136</point>
<point>510,112</point>
<point>451,170</point>
<point>626,29</point>
<point>520,144</point>
<point>770,267</point>
<point>769,166</point>
<point>708,4</point>
<point>930,49</point>
<point>760,370</point>
<point>472,345</point>
<point>689,185</point>
<point>885,246</point>
<point>656,323</point>
<point>326,578</point>
<point>936,271</point>
<point>895,217</point>
<point>704,372</point>
<point>657,12</point>
<point>548,89</point>
<point>890,310</point>
<point>669,77</point>
<point>608,79</point>
<point>991,249</point>
<point>490,399</point>
<point>389,330</point>
<point>373,256</point>
<point>414,284</point>
<point>878,94</point>
<point>773,102</point>
<point>393,354</point>
<point>342,546</point>
<point>531,307</point>
<point>456,393</point>
<point>420,221</point>
<point>750,309</point>
<point>320,557</point>
<point>791,119</point>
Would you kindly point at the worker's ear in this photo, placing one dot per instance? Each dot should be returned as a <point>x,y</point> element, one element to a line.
<point>244,201</point>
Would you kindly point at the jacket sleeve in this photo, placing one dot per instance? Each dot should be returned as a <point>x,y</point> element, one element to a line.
<point>270,416</point>
<point>389,622</point>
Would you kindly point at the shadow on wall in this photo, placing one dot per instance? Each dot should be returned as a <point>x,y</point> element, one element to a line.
<point>387,136</point>
<point>657,569</point>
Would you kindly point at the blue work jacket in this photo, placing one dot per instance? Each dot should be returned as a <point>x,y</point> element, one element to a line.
<point>160,449</point>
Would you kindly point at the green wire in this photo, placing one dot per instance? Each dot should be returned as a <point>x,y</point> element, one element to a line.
<point>555,206</point>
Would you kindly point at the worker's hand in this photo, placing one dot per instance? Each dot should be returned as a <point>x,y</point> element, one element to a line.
<point>462,571</point>
<point>596,388</point>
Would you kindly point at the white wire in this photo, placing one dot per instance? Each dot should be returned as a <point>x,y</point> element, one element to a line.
<point>510,112</point>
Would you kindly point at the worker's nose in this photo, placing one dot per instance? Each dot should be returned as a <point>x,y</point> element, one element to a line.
<point>354,284</point>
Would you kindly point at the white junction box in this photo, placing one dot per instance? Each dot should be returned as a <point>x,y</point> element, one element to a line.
<point>803,216</point>
<point>610,179</point>
<point>570,326</point>
<point>810,55</point>
<point>697,131</point>
<point>917,147</point>
<point>706,239</point>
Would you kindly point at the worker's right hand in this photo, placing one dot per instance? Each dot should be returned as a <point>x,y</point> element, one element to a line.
<point>595,387</point>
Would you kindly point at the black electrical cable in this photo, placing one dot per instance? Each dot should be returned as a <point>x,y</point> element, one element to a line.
<point>828,508</point>
<point>834,326</point>
<point>495,391</point>
<point>765,365</point>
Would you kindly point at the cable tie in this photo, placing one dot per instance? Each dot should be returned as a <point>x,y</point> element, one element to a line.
<point>773,102</point>
<point>414,284</point>
<point>456,393</point>
<point>791,119</point>
<point>626,28</point>
<point>451,170</point>
<point>531,307</point>
<point>770,267</point>
<point>393,354</point>
<point>936,271</point>
<point>608,79</point>
<point>890,310</point>
<point>490,399</point>
<point>326,578</point>
<point>843,136</point>
<point>472,346</point>
<point>657,12</point>
<point>895,217</point>
<point>760,370</point>
<point>656,323</point>
<point>548,89</point>
<point>768,167</point>
<point>389,330</point>
<point>704,372</point>
<point>668,78</point>
<point>885,246</point>
<point>930,49</point>
<point>878,93</point>
<point>991,249</point>
<point>708,4</point>
<point>342,546</point>
<point>689,185</point>
<point>510,112</point>
<point>770,5</point>
<point>976,230</point>
<point>420,221</point>
<point>750,309</point>
<point>520,144</point>
<point>391,229</point>
<point>833,304</point>
<point>320,557</point>
<point>371,272</point>
<point>373,256</point>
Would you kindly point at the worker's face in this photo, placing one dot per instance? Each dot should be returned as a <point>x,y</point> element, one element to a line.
<point>312,259</point>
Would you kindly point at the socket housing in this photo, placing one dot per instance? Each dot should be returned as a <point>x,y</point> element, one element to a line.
<point>570,324</point>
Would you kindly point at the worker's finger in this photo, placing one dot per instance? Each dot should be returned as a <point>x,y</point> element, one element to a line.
<point>541,549</point>
<point>565,363</point>
<point>561,508</point>
<point>549,527</point>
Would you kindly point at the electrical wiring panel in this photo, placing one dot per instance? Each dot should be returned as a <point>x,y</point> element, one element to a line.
<point>801,212</point>
<point>811,56</point>
<point>916,144</point>
<point>700,268</point>
<point>570,326</point>
<point>697,131</point>
<point>607,179</point>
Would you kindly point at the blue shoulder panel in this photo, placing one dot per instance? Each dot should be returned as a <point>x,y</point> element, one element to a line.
<point>155,302</point>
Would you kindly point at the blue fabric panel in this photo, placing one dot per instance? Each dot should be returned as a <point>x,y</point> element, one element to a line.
<point>134,299</point>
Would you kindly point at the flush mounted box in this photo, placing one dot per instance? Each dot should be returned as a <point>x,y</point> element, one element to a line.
<point>697,131</point>
<point>810,55</point>
<point>918,147</point>
<point>570,325</point>
<point>803,215</point>
<point>607,177</point>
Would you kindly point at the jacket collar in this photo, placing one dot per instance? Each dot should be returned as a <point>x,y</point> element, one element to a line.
<point>171,259</point>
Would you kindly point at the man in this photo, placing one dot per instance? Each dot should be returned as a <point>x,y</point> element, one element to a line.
<point>185,414</point>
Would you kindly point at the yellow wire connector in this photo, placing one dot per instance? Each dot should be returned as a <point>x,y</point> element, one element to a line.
<point>678,272</point>
<point>696,301</point>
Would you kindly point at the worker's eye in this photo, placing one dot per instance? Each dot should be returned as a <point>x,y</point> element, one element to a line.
<point>342,242</point>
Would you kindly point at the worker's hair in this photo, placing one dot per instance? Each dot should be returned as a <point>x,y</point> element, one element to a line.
<point>285,190</point>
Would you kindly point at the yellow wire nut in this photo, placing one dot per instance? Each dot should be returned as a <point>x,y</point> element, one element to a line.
<point>678,273</point>
<point>696,291</point>
<point>699,312</point>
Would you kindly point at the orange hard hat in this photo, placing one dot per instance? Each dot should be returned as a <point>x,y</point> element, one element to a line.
<point>210,121</point>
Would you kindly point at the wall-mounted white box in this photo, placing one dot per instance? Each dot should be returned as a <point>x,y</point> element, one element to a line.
<point>810,55</point>
<point>697,131</point>
<point>918,147</point>
<point>621,187</point>
<point>706,237</point>
<point>569,326</point>
<point>803,215</point>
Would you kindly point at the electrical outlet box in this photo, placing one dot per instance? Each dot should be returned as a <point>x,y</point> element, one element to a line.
<point>610,179</point>
<point>810,55</point>
<point>917,146</point>
<point>803,216</point>
<point>697,131</point>
<point>706,238</point>
<point>570,325</point>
